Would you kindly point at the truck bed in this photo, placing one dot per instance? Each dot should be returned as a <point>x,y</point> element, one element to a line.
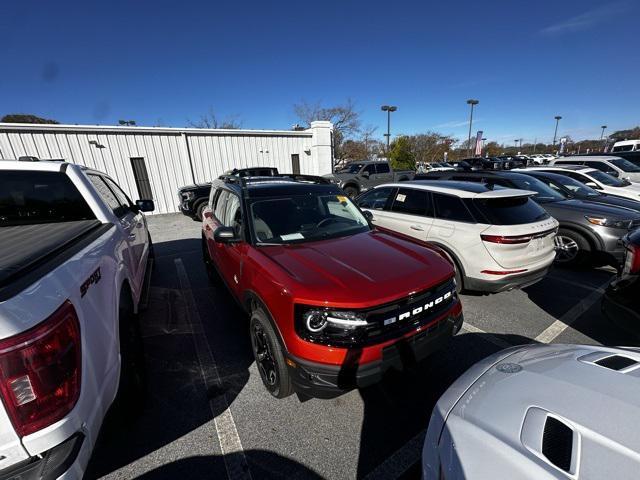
<point>28,252</point>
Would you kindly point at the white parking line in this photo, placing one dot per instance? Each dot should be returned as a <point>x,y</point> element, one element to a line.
<point>487,336</point>
<point>556,328</point>
<point>235,460</point>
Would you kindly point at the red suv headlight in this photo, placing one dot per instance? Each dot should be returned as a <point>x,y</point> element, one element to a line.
<point>40,371</point>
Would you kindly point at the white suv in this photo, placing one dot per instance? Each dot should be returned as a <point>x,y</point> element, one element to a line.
<point>597,179</point>
<point>499,239</point>
<point>614,166</point>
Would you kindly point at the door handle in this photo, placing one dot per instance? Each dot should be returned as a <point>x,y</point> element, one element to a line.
<point>417,227</point>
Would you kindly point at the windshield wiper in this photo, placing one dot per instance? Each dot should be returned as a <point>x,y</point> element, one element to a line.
<point>268,244</point>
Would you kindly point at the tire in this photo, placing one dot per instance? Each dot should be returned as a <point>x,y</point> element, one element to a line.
<point>268,355</point>
<point>199,209</point>
<point>573,248</point>
<point>212,273</point>
<point>352,192</point>
<point>133,379</point>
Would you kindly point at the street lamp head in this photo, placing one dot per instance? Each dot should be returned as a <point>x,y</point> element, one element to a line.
<point>393,108</point>
<point>557,117</point>
<point>472,101</point>
<point>603,126</point>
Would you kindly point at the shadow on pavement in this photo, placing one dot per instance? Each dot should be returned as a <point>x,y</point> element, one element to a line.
<point>398,408</point>
<point>262,464</point>
<point>177,401</point>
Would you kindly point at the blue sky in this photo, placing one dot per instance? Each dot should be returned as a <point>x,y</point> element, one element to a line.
<point>165,62</point>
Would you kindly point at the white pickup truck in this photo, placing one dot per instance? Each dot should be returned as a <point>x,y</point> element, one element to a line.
<point>74,256</point>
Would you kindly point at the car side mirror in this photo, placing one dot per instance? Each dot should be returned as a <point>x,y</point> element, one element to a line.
<point>368,215</point>
<point>145,205</point>
<point>365,174</point>
<point>225,235</point>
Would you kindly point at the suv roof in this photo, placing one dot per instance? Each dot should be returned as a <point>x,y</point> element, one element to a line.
<point>461,189</point>
<point>278,185</point>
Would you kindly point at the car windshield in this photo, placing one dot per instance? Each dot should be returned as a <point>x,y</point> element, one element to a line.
<point>572,186</point>
<point>625,165</point>
<point>305,218</point>
<point>353,168</point>
<point>544,192</point>
<point>28,197</point>
<point>607,179</point>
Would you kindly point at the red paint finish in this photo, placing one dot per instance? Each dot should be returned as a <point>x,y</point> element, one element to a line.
<point>360,271</point>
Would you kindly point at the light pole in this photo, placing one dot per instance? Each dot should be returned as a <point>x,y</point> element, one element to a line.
<point>602,134</point>
<point>482,145</point>
<point>471,102</point>
<point>555,134</point>
<point>388,109</point>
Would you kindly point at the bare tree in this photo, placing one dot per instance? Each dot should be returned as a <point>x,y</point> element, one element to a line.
<point>345,119</point>
<point>430,146</point>
<point>210,120</point>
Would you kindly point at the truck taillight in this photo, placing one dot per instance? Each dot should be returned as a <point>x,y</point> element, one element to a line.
<point>40,371</point>
<point>632,260</point>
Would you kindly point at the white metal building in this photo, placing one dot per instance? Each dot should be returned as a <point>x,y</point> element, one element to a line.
<point>153,161</point>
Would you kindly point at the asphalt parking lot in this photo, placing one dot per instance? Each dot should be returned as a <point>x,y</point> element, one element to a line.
<point>207,414</point>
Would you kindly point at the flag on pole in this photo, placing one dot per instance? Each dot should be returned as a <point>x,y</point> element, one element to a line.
<point>479,143</point>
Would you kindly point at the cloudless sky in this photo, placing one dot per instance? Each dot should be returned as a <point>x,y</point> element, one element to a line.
<point>166,62</point>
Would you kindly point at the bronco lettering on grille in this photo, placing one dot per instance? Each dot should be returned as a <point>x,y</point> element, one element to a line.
<point>420,309</point>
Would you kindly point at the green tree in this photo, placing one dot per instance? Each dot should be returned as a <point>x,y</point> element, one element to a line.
<point>401,156</point>
<point>25,118</point>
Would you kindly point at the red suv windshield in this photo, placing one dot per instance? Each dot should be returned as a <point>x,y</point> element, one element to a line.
<point>305,218</point>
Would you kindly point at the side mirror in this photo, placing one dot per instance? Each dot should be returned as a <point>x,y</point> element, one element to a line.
<point>365,174</point>
<point>145,205</point>
<point>368,215</point>
<point>225,235</point>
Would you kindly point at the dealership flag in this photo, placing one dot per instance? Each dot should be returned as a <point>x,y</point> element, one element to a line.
<point>479,143</point>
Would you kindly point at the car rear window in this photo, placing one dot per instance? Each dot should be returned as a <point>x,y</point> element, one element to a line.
<point>509,210</point>
<point>28,197</point>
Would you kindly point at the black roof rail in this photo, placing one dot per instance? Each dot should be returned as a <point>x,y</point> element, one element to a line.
<point>294,177</point>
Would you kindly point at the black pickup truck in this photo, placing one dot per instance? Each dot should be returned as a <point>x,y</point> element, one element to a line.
<point>358,177</point>
<point>193,198</point>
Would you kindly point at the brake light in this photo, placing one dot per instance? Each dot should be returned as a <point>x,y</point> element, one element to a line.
<point>513,240</point>
<point>632,260</point>
<point>40,371</point>
<point>516,239</point>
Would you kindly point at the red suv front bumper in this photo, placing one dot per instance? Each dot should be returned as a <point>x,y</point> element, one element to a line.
<point>325,380</point>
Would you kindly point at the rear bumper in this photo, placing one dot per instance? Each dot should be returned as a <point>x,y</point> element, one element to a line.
<point>185,209</point>
<point>323,381</point>
<point>50,465</point>
<point>505,283</point>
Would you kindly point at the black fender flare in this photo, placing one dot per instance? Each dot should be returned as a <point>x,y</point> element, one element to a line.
<point>250,300</point>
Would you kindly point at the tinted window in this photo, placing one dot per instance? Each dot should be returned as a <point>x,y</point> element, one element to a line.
<point>233,213</point>
<point>122,197</point>
<point>625,165</point>
<point>375,199</point>
<point>622,148</point>
<point>510,211</point>
<point>107,195</point>
<point>603,167</point>
<point>568,162</point>
<point>370,168</point>
<point>220,204</point>
<point>383,168</point>
<point>40,197</point>
<point>544,193</point>
<point>606,179</point>
<point>448,207</point>
<point>412,202</point>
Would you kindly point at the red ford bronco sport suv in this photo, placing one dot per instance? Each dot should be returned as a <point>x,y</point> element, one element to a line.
<point>333,302</point>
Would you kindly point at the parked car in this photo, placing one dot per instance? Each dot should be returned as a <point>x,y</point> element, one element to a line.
<point>498,239</point>
<point>333,302</point>
<point>73,264</point>
<point>193,198</point>
<point>626,146</point>
<point>570,188</point>
<point>614,166</point>
<point>539,412</point>
<point>359,177</point>
<point>588,231</point>
<point>596,179</point>
<point>621,301</point>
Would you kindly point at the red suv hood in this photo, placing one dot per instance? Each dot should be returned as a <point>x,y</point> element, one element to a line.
<point>362,270</point>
